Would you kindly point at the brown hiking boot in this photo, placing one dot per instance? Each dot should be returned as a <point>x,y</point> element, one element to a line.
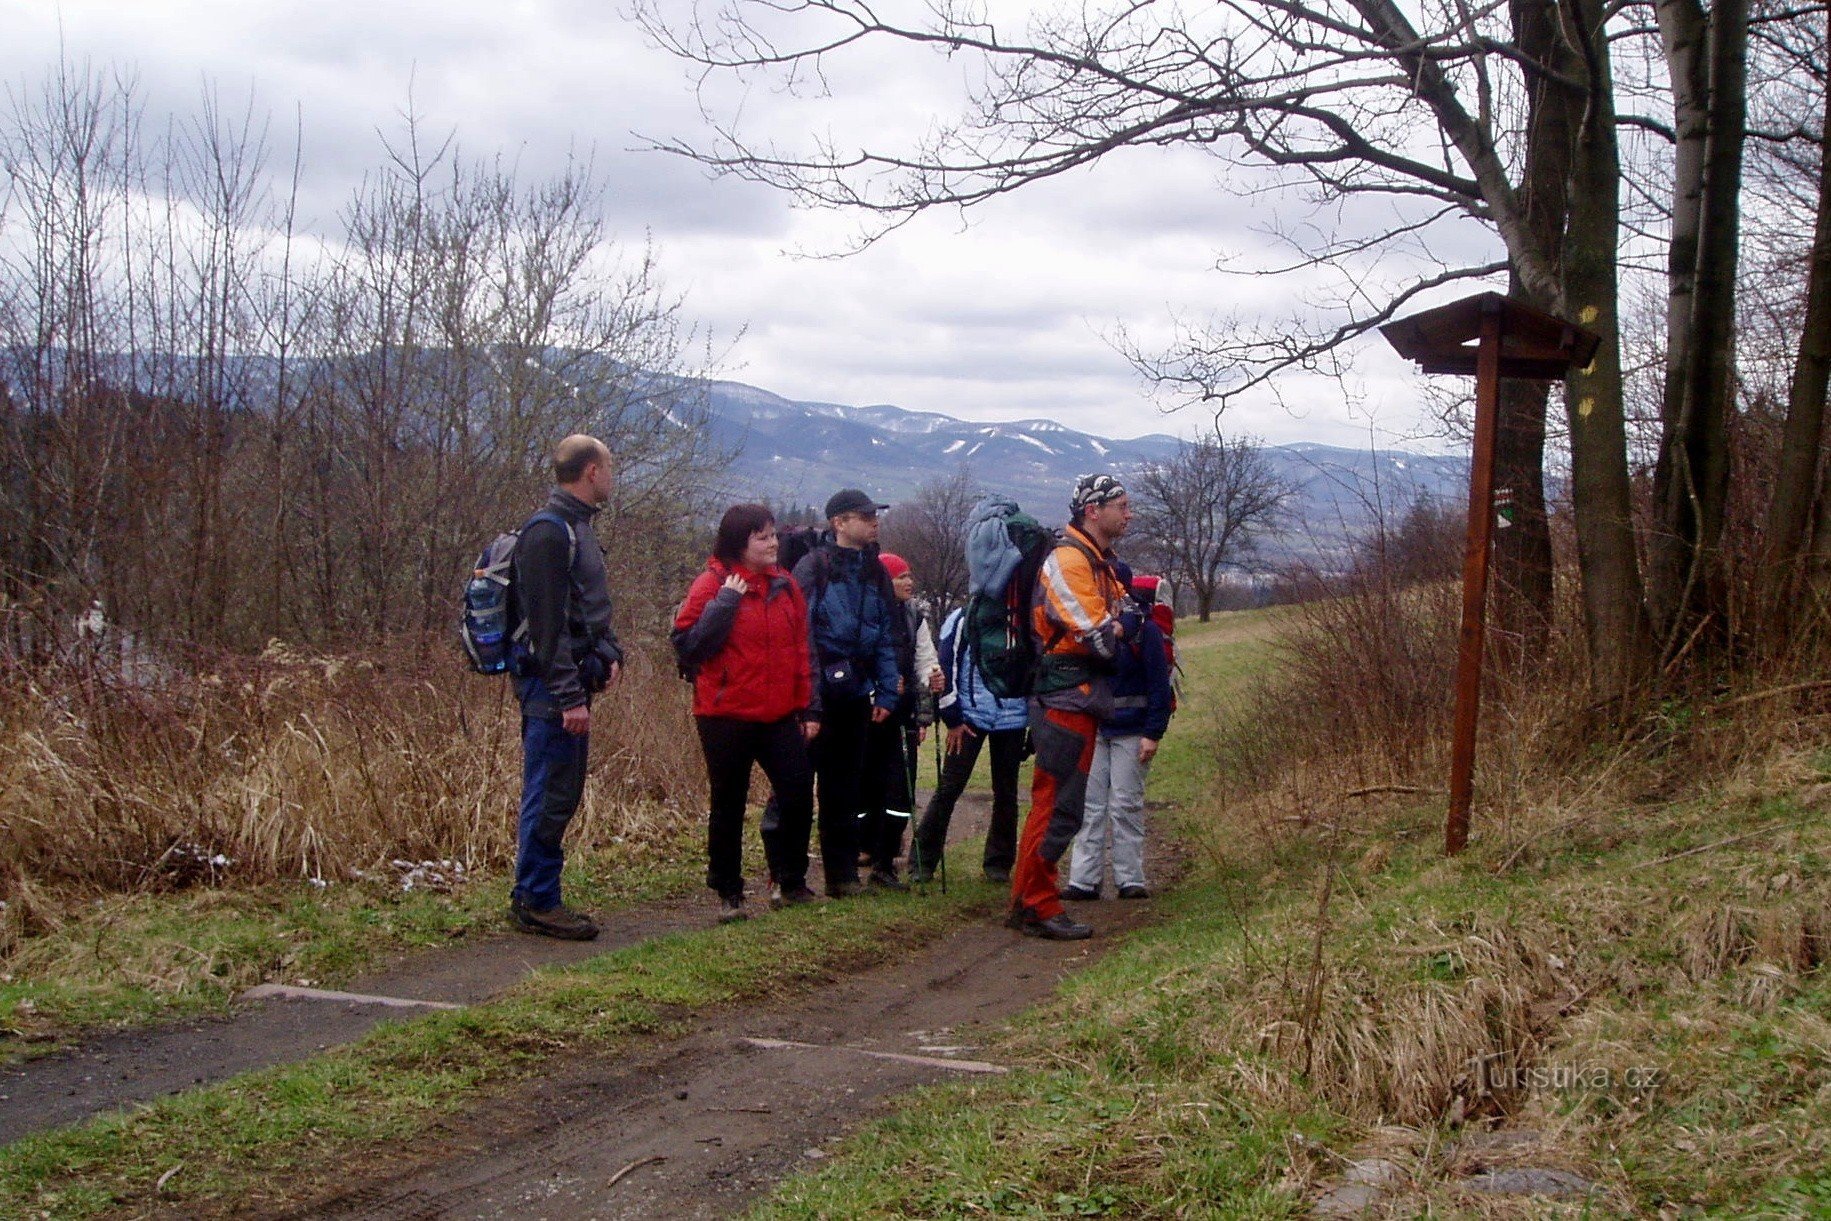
<point>557,921</point>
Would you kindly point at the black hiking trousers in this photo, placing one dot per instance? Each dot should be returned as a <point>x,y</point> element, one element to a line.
<point>839,773</point>
<point>956,770</point>
<point>731,747</point>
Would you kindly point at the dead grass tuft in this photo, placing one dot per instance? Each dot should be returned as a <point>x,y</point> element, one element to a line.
<point>300,766</point>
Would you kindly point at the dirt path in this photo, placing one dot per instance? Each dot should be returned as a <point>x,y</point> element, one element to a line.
<point>702,1126</point>
<point>142,1064</point>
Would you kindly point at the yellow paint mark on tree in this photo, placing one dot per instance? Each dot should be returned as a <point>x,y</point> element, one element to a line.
<point>1585,405</point>
<point>1590,314</point>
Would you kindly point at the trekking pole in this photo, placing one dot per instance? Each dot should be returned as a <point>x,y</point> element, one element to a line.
<point>935,732</point>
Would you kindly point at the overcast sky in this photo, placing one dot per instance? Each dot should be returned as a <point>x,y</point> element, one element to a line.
<point>1003,314</point>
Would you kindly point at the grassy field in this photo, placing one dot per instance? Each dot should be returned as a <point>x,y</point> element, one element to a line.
<point>1635,993</point>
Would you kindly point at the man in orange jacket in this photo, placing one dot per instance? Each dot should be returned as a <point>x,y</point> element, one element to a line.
<point>1076,621</point>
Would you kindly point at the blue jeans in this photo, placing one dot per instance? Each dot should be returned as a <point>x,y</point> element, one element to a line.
<point>552,783</point>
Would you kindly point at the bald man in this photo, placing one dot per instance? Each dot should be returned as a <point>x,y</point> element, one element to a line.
<point>568,654</point>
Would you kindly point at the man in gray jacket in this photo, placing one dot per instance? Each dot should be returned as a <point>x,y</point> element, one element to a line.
<point>568,654</point>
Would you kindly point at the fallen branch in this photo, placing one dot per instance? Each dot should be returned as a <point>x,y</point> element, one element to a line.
<point>1771,692</point>
<point>1372,789</point>
<point>638,1164</point>
<point>1723,843</point>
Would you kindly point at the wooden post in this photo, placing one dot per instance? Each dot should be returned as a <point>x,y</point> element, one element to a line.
<point>1475,581</point>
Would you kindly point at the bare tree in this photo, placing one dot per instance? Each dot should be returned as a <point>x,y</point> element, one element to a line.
<point>929,530</point>
<point>224,438</point>
<point>1200,510</point>
<point>1597,143</point>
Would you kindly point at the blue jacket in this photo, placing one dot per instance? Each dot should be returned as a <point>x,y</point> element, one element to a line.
<point>965,699</point>
<point>849,609</point>
<point>1141,685</point>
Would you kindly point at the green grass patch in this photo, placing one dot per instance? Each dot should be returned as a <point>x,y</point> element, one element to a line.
<point>138,958</point>
<point>233,1139</point>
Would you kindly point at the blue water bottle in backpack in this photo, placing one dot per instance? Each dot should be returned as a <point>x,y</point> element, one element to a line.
<point>486,626</point>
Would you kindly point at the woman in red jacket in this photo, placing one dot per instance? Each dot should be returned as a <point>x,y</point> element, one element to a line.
<point>742,633</point>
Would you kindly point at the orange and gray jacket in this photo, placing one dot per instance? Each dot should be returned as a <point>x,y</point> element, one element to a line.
<point>1075,618</point>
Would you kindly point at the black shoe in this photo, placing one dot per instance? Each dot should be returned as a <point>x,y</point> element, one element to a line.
<point>921,877</point>
<point>731,909</point>
<point>998,874</point>
<point>794,896</point>
<point>886,879</point>
<point>1059,927</point>
<point>1134,892</point>
<point>557,921</point>
<point>1079,894</point>
<point>844,890</point>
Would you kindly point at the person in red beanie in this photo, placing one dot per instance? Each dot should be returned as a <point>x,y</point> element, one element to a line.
<point>891,746</point>
<point>742,632</point>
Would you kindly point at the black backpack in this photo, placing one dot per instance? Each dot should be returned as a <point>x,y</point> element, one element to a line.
<point>794,542</point>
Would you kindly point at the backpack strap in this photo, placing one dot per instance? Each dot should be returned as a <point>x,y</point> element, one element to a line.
<point>572,556</point>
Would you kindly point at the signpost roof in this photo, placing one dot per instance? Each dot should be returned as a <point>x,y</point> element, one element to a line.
<point>1533,344</point>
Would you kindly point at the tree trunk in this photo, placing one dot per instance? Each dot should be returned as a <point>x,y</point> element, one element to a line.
<point>1522,552</point>
<point>1691,481</point>
<point>1801,449</point>
<point>1614,620</point>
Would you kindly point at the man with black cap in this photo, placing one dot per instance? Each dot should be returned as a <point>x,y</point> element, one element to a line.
<point>1076,622</point>
<point>850,605</point>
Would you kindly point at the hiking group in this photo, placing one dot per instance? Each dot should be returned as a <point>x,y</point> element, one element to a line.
<point>811,659</point>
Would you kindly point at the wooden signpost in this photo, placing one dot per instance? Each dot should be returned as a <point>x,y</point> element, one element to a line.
<point>1491,337</point>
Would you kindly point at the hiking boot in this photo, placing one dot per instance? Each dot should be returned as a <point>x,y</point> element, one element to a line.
<point>557,921</point>
<point>794,896</point>
<point>1134,892</point>
<point>886,879</point>
<point>921,877</point>
<point>998,874</point>
<point>844,890</point>
<point>1079,894</point>
<point>1059,927</point>
<point>731,909</point>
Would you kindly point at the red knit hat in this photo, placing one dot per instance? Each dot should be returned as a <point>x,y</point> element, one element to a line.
<point>893,564</point>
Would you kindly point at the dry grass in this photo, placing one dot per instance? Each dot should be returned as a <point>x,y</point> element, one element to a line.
<point>295,766</point>
<point>1648,901</point>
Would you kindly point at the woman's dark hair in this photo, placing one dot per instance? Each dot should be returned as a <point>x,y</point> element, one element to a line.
<point>736,527</point>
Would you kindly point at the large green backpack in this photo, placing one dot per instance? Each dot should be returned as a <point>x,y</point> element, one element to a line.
<point>998,626</point>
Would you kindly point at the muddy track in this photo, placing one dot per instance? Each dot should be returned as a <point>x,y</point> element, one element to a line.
<point>698,1126</point>
<point>146,1063</point>
<point>702,1126</point>
<point>142,1064</point>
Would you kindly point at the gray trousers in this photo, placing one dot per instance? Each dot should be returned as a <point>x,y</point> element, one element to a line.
<point>1115,809</point>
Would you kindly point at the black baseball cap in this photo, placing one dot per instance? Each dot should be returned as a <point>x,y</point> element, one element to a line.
<point>851,500</point>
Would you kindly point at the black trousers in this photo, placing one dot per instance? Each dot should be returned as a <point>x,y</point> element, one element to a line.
<point>889,790</point>
<point>839,770</point>
<point>731,748</point>
<point>956,770</point>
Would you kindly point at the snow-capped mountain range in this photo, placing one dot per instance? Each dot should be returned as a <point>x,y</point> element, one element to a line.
<point>791,452</point>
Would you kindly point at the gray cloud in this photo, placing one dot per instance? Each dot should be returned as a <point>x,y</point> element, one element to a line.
<point>1000,319</point>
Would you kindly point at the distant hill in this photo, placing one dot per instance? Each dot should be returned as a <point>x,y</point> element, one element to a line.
<point>792,452</point>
